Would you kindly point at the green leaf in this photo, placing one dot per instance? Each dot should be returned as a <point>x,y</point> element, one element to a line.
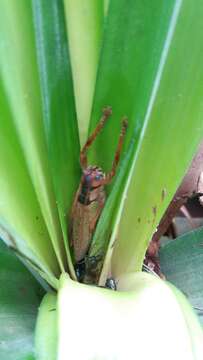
<point>148,303</point>
<point>175,107</point>
<point>106,6</point>
<point>191,322</point>
<point>148,73</point>
<point>58,106</point>
<point>40,143</point>
<point>21,221</point>
<point>133,42</point>
<point>85,30</point>
<point>181,262</point>
<point>46,329</point>
<point>128,66</point>
<point>20,83</point>
<point>19,300</point>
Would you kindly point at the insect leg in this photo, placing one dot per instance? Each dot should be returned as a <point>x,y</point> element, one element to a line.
<point>106,112</point>
<point>111,174</point>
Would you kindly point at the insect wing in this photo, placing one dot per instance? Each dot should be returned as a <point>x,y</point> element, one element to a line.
<point>80,232</point>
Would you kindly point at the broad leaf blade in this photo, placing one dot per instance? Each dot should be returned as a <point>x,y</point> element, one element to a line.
<point>133,42</point>
<point>85,30</point>
<point>21,221</point>
<point>149,301</point>
<point>106,6</point>
<point>149,71</point>
<point>37,82</point>
<point>20,79</point>
<point>46,334</point>
<point>181,262</point>
<point>59,115</point>
<point>19,300</point>
<point>163,153</point>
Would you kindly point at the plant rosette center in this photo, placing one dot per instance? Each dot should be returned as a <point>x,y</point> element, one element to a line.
<point>98,323</point>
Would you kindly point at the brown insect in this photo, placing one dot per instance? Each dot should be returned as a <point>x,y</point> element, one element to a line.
<point>90,197</point>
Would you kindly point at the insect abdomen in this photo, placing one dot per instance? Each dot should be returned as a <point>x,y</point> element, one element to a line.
<point>85,216</point>
<point>81,235</point>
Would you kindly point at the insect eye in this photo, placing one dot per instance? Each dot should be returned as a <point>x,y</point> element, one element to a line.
<point>97,177</point>
<point>88,178</point>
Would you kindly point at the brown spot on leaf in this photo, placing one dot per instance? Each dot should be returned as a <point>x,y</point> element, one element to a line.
<point>163,194</point>
<point>154,210</point>
<point>113,244</point>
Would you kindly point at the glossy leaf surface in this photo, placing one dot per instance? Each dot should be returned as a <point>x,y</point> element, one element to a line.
<point>20,297</point>
<point>39,121</point>
<point>85,29</point>
<point>147,301</point>
<point>46,334</point>
<point>150,71</point>
<point>182,263</point>
<point>58,106</point>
